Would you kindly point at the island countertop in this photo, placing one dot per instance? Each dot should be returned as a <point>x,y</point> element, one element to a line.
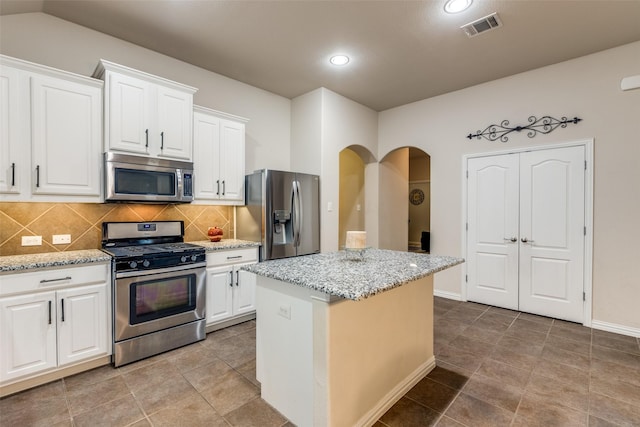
<point>347,275</point>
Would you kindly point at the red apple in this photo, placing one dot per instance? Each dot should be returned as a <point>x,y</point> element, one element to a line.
<point>215,234</point>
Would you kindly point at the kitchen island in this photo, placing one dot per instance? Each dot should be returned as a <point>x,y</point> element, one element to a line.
<point>342,336</point>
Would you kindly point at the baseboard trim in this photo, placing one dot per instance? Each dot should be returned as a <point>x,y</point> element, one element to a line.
<point>447,295</point>
<point>396,393</point>
<point>615,328</point>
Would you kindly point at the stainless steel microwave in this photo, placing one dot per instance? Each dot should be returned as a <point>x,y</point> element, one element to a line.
<point>148,180</point>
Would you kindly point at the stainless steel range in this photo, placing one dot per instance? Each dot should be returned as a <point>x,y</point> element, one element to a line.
<point>158,288</point>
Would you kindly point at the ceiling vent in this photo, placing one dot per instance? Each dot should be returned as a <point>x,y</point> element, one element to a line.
<point>482,25</point>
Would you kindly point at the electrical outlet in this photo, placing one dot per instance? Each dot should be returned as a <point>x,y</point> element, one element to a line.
<point>285,311</point>
<point>31,240</point>
<point>61,239</point>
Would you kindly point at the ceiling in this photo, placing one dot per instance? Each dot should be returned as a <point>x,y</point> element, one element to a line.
<point>401,51</point>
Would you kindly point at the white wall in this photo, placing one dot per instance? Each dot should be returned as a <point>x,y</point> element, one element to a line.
<point>306,133</point>
<point>323,124</point>
<point>587,87</point>
<point>345,123</point>
<point>47,40</point>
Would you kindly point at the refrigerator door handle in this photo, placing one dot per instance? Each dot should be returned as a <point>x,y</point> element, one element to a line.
<point>297,217</point>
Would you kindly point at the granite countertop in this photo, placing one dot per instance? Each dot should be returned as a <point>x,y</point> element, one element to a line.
<point>17,263</point>
<point>347,275</point>
<point>226,244</point>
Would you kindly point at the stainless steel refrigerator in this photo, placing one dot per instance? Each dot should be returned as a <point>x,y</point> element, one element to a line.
<point>282,211</point>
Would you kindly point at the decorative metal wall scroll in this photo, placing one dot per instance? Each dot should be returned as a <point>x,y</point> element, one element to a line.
<point>545,124</point>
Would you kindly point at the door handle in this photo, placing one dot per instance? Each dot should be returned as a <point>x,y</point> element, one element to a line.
<point>218,183</point>
<point>161,140</point>
<point>231,279</point>
<point>224,187</point>
<point>62,305</point>
<point>511,239</point>
<point>37,176</point>
<point>49,312</point>
<point>13,174</point>
<point>525,240</point>
<point>146,137</point>
<point>237,278</point>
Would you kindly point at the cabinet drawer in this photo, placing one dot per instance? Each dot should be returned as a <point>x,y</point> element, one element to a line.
<point>52,278</point>
<point>235,256</point>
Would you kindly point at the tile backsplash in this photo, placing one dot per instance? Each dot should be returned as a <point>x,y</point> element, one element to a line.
<point>83,221</point>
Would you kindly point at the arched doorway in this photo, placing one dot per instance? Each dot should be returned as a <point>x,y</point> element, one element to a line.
<point>355,194</point>
<point>402,171</point>
<point>419,236</point>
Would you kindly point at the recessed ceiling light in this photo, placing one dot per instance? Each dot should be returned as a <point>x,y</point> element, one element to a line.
<point>339,59</point>
<point>457,6</point>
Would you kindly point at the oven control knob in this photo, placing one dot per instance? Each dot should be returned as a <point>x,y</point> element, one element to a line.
<point>194,258</point>
<point>183,258</point>
<point>146,263</point>
<point>133,264</point>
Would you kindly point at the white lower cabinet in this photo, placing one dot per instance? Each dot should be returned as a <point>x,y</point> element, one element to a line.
<point>230,291</point>
<point>61,318</point>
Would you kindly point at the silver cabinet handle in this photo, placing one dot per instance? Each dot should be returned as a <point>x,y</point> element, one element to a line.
<point>62,305</point>
<point>161,140</point>
<point>234,257</point>
<point>218,183</point>
<point>37,176</point>
<point>146,137</point>
<point>13,174</point>
<point>511,239</point>
<point>525,240</point>
<point>55,280</point>
<point>231,279</point>
<point>237,278</point>
<point>224,187</point>
<point>49,312</point>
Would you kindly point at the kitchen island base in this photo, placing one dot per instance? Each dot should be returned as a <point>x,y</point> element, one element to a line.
<point>328,361</point>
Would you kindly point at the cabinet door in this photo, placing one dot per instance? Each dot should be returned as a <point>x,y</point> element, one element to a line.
<point>173,132</point>
<point>128,121</point>
<point>232,160</point>
<point>206,161</point>
<point>219,293</point>
<point>244,298</point>
<point>13,123</point>
<point>66,131</point>
<point>82,323</point>
<point>27,334</point>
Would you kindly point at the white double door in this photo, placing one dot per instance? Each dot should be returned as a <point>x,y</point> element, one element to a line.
<point>526,231</point>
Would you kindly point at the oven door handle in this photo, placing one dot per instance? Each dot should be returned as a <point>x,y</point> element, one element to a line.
<point>160,270</point>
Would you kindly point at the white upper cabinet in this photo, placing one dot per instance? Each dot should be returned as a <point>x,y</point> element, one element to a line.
<point>11,130</point>
<point>219,142</point>
<point>66,124</point>
<point>146,115</point>
<point>50,134</point>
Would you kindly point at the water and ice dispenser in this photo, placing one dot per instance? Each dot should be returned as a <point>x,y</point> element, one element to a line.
<point>282,227</point>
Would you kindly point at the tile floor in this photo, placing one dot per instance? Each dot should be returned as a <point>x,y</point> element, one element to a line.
<point>495,368</point>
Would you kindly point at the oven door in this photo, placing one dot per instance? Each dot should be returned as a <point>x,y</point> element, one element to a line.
<point>150,301</point>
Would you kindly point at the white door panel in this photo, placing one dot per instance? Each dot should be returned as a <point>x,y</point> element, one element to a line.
<point>552,222</point>
<point>493,223</point>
